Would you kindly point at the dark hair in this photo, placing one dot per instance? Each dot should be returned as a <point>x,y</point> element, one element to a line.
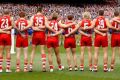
<point>39,9</point>
<point>116,13</point>
<point>22,14</point>
<point>70,17</point>
<point>101,12</point>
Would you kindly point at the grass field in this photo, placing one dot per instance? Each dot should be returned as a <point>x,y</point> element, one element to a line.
<point>65,74</point>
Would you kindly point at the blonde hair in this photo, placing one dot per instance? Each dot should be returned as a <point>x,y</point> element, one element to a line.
<point>86,15</point>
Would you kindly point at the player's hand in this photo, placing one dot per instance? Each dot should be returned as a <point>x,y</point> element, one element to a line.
<point>52,35</point>
<point>104,34</point>
<point>89,35</point>
<point>7,32</point>
<point>118,29</point>
<point>66,35</point>
<point>22,30</point>
<point>24,36</point>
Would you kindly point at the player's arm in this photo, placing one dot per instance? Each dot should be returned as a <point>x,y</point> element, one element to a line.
<point>47,26</point>
<point>65,25</point>
<point>59,32</point>
<point>101,33</point>
<point>83,33</point>
<point>2,31</point>
<point>116,20</point>
<point>103,30</point>
<point>109,25</point>
<point>74,30</point>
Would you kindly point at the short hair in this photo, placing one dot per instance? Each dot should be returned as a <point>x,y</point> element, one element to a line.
<point>116,13</point>
<point>70,17</point>
<point>54,16</point>
<point>6,11</point>
<point>22,14</point>
<point>39,9</point>
<point>101,12</point>
<point>86,15</point>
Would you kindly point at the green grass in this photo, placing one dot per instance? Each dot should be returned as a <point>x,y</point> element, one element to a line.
<point>65,74</point>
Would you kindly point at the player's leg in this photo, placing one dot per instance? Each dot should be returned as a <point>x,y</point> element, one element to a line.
<point>43,57</point>
<point>74,58</point>
<point>113,59</point>
<point>8,57</point>
<point>58,57</point>
<point>119,51</point>
<point>96,58</point>
<point>1,57</point>
<point>82,58</point>
<point>105,58</point>
<point>18,59</point>
<point>25,59</point>
<point>68,58</point>
<point>32,56</point>
<point>90,57</point>
<point>50,59</point>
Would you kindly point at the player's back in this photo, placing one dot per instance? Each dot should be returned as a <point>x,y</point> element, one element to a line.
<point>69,29</point>
<point>38,21</point>
<point>54,25</point>
<point>100,24</point>
<point>86,23</point>
<point>5,21</point>
<point>21,23</point>
<point>116,25</point>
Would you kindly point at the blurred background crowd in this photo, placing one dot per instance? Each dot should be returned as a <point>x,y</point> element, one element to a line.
<point>63,9</point>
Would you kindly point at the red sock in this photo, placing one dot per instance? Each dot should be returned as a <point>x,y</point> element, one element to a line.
<point>43,56</point>
<point>90,66</point>
<point>51,67</point>
<point>95,67</point>
<point>18,66</point>
<point>81,66</point>
<point>8,63</point>
<point>1,61</point>
<point>105,65</point>
<point>25,65</point>
<point>60,66</point>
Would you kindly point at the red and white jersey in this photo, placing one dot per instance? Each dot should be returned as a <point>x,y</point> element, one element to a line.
<point>69,29</point>
<point>38,20</point>
<point>116,25</point>
<point>5,21</point>
<point>100,23</point>
<point>54,25</point>
<point>86,23</point>
<point>21,23</point>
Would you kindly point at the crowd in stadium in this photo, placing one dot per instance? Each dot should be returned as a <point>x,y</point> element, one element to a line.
<point>64,9</point>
